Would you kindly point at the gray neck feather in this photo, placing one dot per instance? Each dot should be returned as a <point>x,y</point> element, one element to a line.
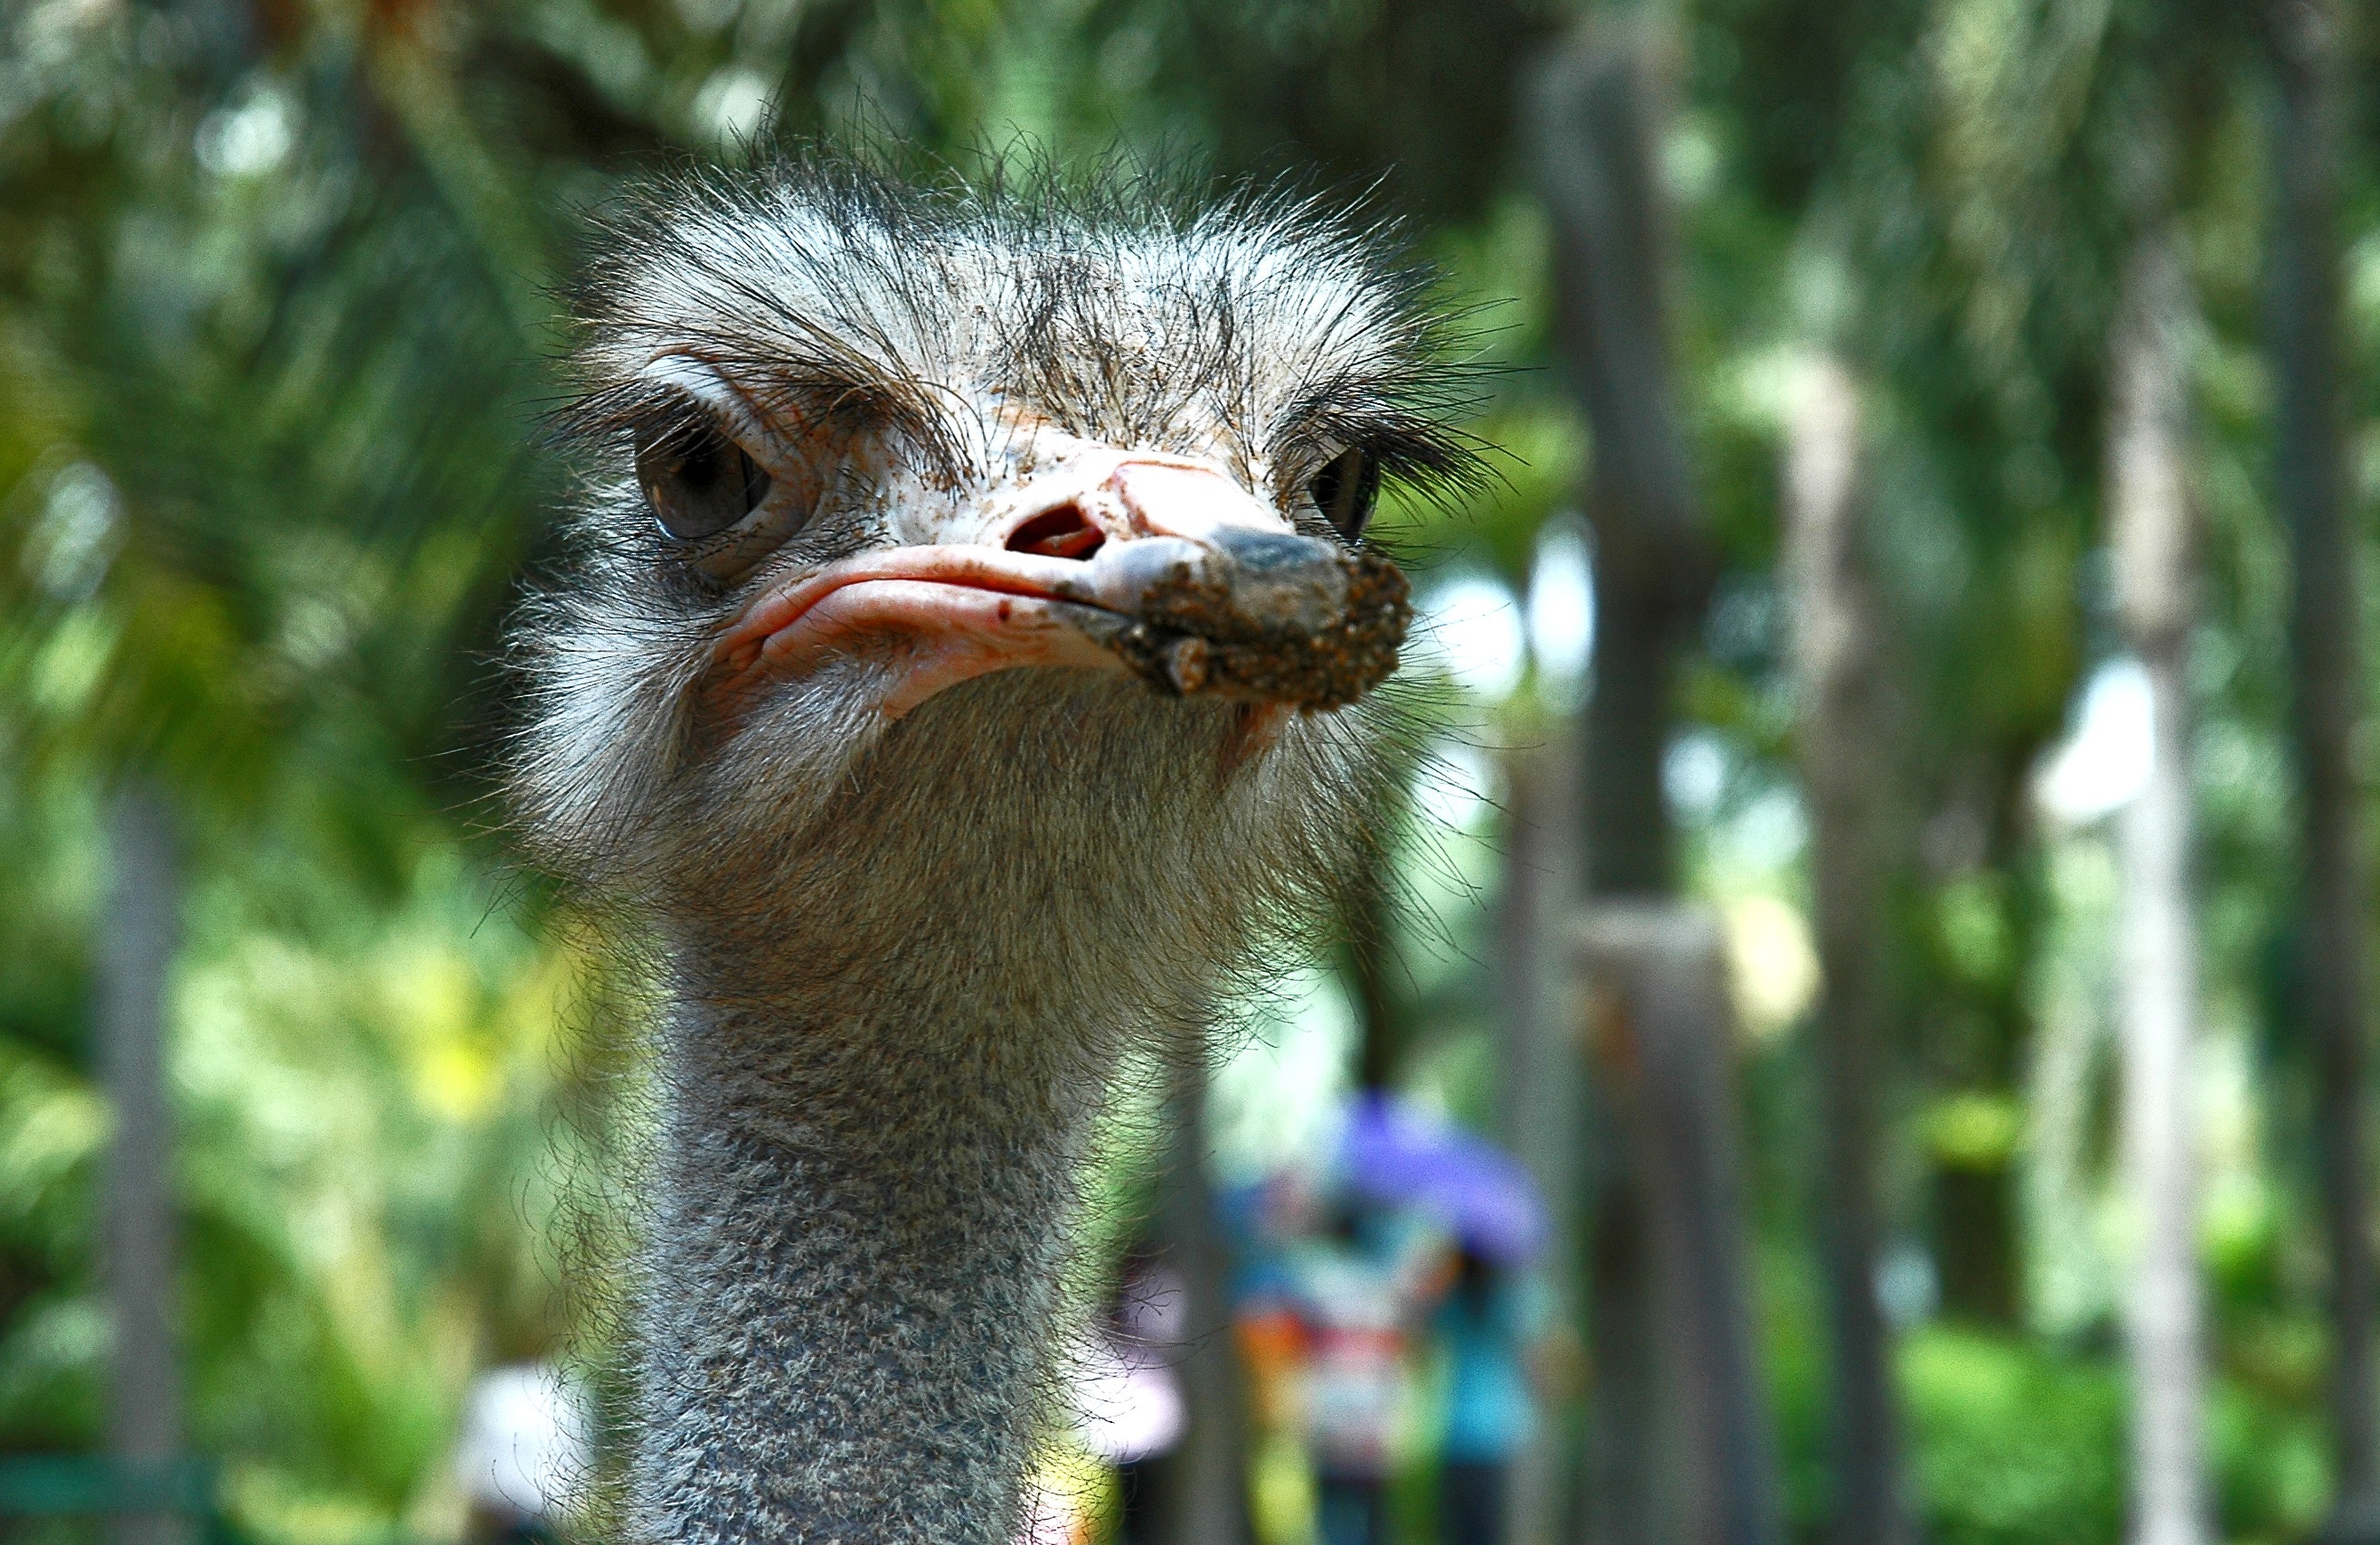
<point>891,1032</point>
<point>851,1279</point>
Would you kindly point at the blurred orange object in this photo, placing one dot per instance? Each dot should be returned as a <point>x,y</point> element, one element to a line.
<point>1274,1347</point>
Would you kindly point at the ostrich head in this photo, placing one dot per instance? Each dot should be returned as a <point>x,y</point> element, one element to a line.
<point>968,659</point>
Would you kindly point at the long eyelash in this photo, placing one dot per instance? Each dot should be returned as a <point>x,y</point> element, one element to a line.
<point>1404,411</point>
<point>1434,459</point>
<point>788,397</point>
<point>605,419</point>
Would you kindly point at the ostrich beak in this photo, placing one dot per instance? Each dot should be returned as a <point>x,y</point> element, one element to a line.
<point>1159,567</point>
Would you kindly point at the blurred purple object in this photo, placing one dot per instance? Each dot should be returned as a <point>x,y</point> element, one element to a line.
<point>1390,1152</point>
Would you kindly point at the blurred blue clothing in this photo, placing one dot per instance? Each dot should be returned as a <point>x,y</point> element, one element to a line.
<point>1488,1402</point>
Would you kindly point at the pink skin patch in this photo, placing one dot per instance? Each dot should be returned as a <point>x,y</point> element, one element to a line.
<point>952,612</point>
<point>953,633</point>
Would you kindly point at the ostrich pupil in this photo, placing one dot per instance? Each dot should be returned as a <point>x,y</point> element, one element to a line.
<point>1345,490</point>
<point>698,482</point>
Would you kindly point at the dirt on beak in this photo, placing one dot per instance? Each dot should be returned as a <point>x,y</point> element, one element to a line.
<point>1253,616</point>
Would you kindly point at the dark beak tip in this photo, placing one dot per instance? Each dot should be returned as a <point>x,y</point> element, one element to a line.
<point>1276,552</point>
<point>1254,615</point>
<point>1283,619</point>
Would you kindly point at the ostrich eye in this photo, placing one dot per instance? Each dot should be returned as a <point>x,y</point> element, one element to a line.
<point>1345,490</point>
<point>698,481</point>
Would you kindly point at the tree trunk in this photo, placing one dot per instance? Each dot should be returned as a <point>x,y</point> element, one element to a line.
<point>2309,483</point>
<point>1703,1472</point>
<point>2157,980</point>
<point>143,929</point>
<point>1593,119</point>
<point>1838,639</point>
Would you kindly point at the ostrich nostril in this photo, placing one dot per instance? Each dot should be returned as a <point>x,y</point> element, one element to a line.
<point>1065,532</point>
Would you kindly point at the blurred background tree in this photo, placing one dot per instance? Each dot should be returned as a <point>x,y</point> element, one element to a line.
<point>276,333</point>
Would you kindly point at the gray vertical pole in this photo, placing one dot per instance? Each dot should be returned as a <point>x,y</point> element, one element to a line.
<point>1542,1077</point>
<point>141,933</point>
<point>1205,1500</point>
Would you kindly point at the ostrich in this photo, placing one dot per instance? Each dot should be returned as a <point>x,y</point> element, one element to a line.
<point>965,668</point>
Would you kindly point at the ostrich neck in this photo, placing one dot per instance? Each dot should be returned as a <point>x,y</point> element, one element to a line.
<point>861,1220</point>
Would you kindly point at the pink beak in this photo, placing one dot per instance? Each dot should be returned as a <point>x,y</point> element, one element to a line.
<point>1161,568</point>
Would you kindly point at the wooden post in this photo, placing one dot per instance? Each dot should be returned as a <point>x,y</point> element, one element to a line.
<point>1660,1036</point>
<point>141,933</point>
